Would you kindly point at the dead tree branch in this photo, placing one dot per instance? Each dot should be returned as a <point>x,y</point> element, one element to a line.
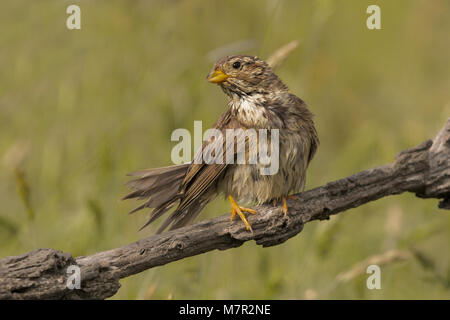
<point>42,274</point>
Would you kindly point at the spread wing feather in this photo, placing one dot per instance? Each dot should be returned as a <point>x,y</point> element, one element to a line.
<point>201,175</point>
<point>183,184</point>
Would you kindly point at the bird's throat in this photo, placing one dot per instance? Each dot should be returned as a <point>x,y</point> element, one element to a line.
<point>250,110</point>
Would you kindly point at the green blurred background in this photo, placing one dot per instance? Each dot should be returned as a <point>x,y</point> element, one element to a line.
<point>79,109</point>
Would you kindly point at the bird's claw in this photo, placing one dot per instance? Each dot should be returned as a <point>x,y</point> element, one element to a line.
<point>237,209</point>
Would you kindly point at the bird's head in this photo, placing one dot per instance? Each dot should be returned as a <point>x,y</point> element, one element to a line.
<point>245,75</point>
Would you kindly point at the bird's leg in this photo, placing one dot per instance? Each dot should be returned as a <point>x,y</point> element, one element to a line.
<point>285,208</point>
<point>274,202</point>
<point>283,200</point>
<point>237,209</point>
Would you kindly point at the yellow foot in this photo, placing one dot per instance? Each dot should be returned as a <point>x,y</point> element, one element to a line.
<point>285,208</point>
<point>284,203</point>
<point>291,197</point>
<point>237,209</point>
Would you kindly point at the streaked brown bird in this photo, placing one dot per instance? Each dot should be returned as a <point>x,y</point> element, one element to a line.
<point>258,99</point>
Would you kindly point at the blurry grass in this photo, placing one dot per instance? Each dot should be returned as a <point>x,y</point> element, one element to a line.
<point>97,103</point>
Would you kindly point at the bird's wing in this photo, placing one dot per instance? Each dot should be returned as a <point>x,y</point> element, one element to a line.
<point>201,175</point>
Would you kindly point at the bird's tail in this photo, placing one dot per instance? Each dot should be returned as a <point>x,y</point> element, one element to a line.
<point>159,186</point>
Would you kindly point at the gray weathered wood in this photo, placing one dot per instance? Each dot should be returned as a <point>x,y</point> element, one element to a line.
<point>42,274</point>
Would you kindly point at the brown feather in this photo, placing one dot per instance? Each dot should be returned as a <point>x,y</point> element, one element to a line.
<point>258,100</point>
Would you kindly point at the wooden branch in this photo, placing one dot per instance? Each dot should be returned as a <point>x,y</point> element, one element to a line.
<point>42,274</point>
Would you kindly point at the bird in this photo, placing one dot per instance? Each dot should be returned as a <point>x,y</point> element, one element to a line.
<point>257,99</point>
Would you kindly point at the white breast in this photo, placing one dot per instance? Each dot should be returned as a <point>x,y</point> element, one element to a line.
<point>250,110</point>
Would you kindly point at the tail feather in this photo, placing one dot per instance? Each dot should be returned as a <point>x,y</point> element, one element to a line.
<point>159,211</point>
<point>180,219</point>
<point>152,179</point>
<point>145,188</point>
<point>160,186</point>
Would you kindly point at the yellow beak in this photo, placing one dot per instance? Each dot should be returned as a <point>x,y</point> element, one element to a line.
<point>217,76</point>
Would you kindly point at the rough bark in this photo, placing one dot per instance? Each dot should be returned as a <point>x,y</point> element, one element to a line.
<point>42,274</point>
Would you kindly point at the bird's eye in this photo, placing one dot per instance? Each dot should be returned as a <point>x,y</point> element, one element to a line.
<point>236,65</point>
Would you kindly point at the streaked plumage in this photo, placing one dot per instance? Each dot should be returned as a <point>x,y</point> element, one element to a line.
<point>258,100</point>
